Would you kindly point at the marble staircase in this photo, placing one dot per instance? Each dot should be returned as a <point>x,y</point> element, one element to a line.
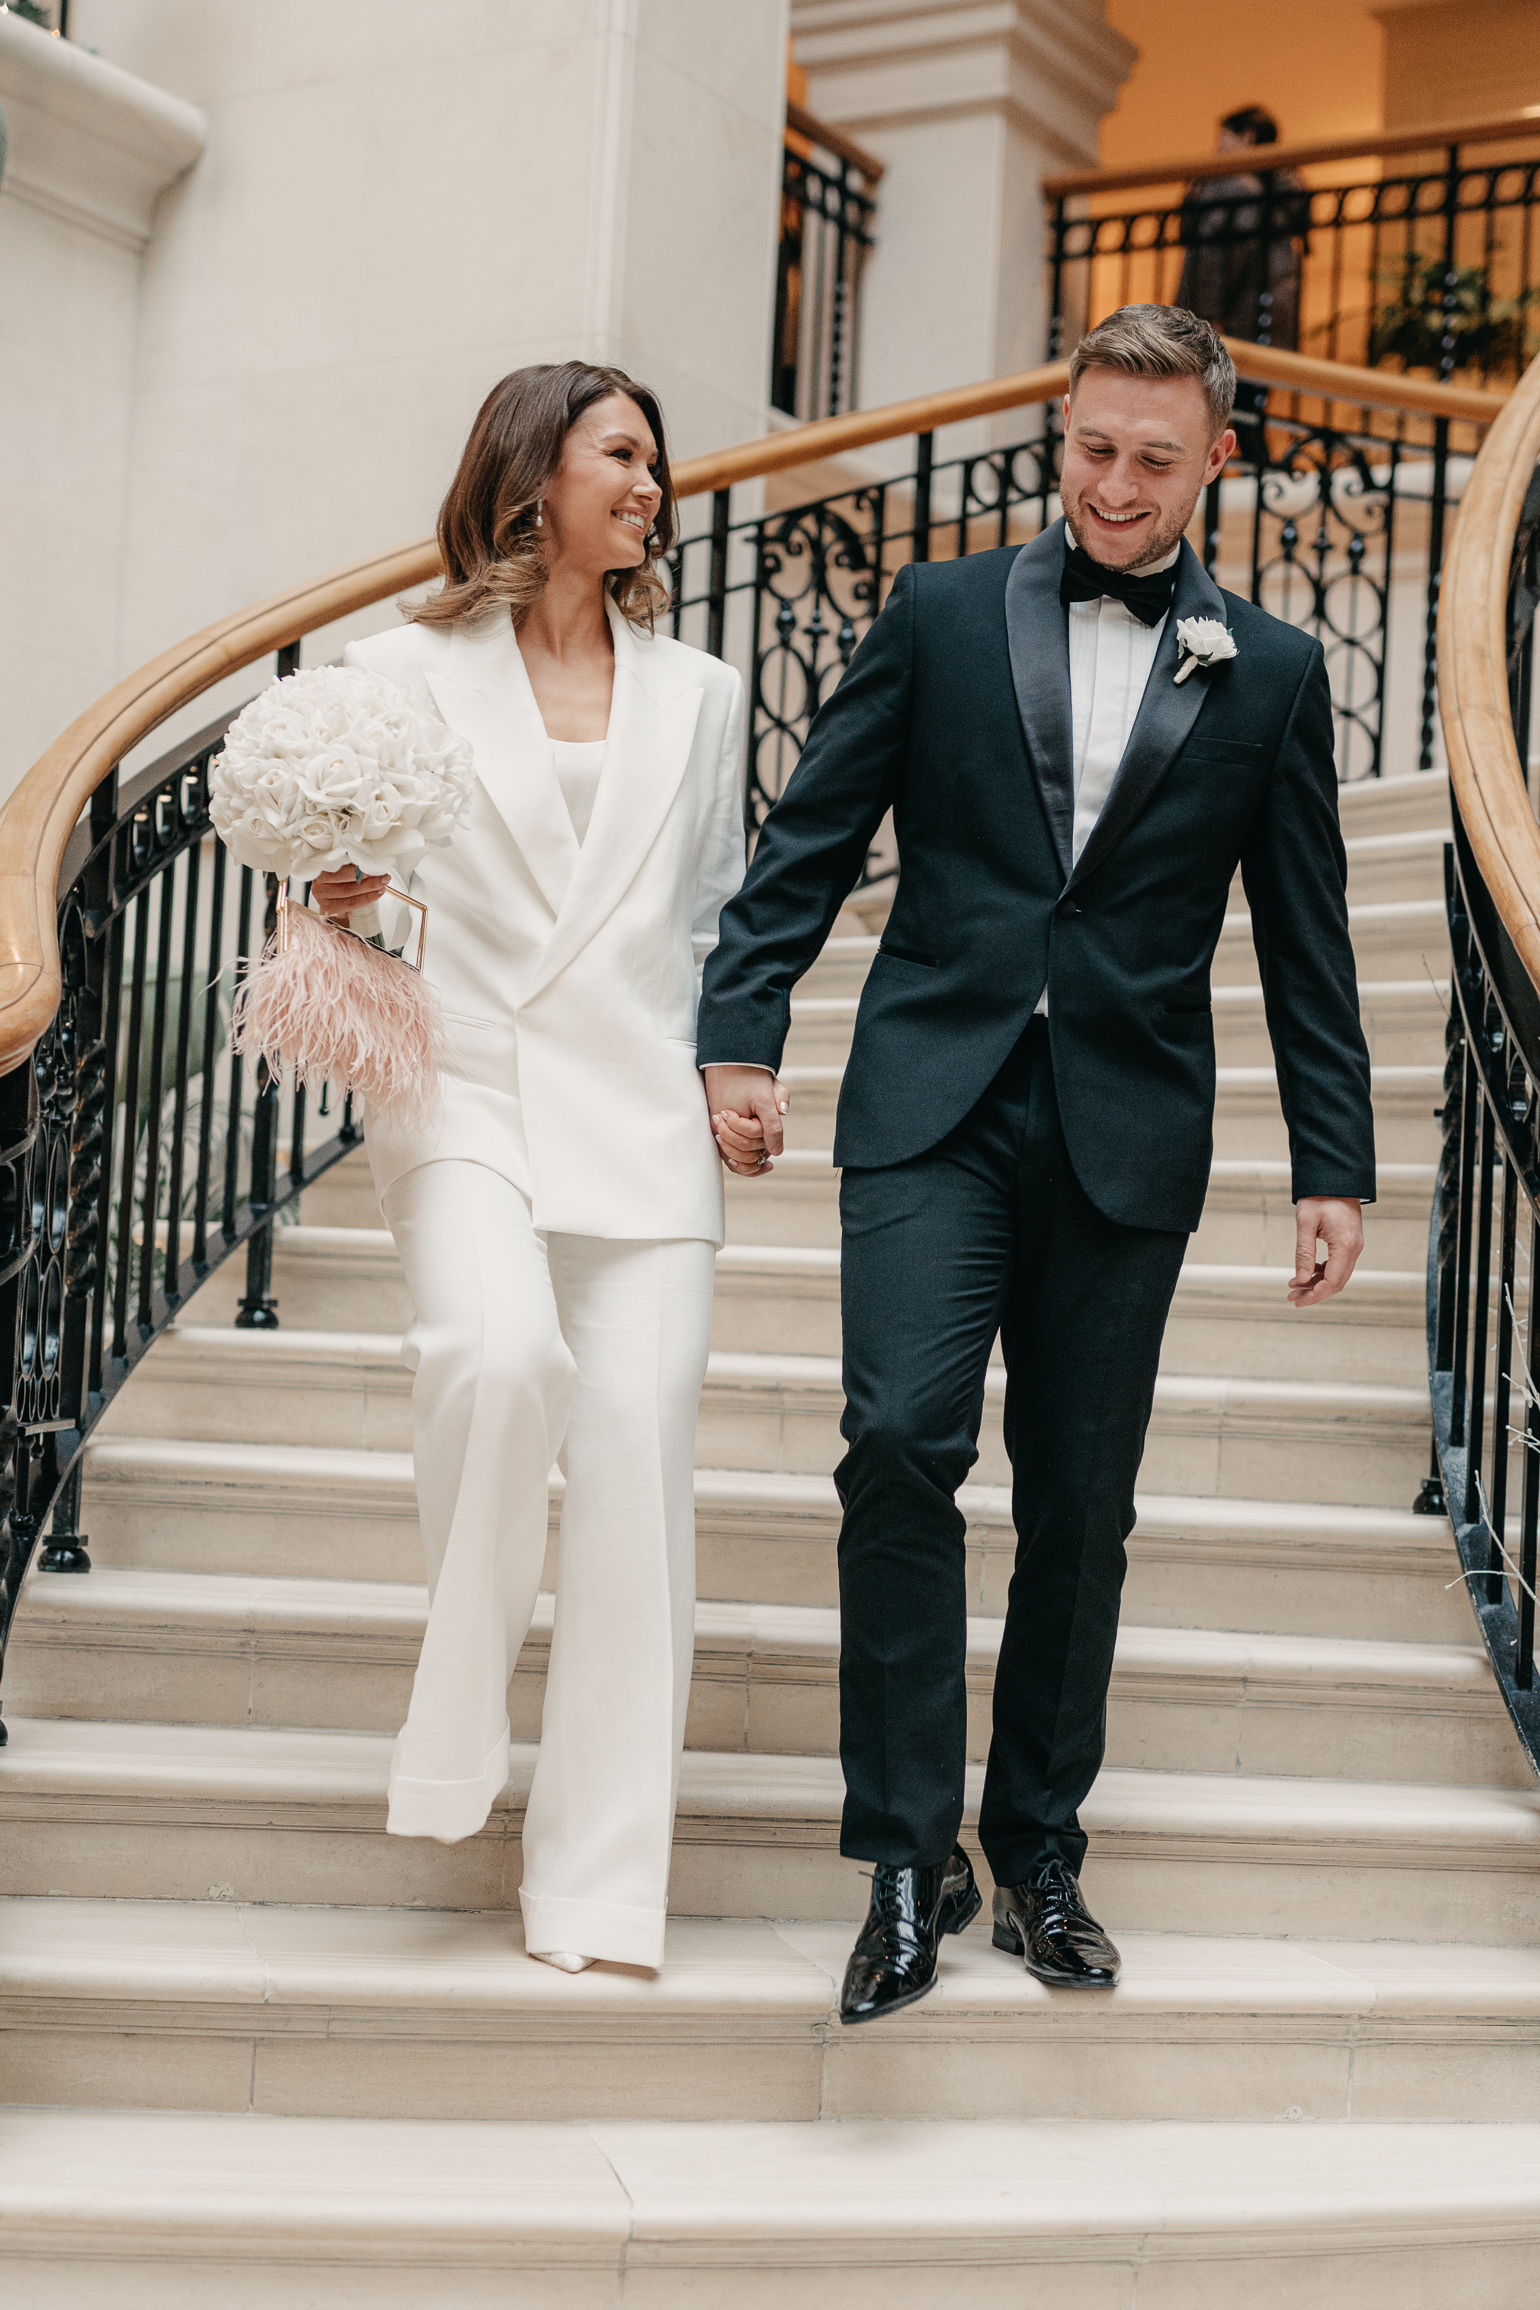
<point>251,2051</point>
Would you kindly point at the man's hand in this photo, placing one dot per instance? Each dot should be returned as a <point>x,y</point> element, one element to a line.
<point>1338,1222</point>
<point>746,1105</point>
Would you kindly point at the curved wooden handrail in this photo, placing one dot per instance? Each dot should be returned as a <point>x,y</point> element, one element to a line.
<point>1485,771</point>
<point>1492,128</point>
<point>807,124</point>
<point>37,820</point>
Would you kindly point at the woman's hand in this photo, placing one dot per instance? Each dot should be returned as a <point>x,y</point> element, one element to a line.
<point>747,1106</point>
<point>342,893</point>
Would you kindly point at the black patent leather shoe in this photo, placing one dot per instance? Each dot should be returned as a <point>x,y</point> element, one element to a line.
<point>894,1961</point>
<point>1044,1922</point>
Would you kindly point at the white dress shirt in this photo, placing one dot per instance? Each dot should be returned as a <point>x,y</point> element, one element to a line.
<point>1111,653</point>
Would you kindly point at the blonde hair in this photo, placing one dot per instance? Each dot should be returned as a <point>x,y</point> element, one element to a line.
<point>1161,341</point>
<point>493,549</point>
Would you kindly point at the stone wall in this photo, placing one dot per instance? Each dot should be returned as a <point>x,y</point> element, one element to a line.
<point>395,203</point>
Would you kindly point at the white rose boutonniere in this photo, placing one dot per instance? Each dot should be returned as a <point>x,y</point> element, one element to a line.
<point>1206,643</point>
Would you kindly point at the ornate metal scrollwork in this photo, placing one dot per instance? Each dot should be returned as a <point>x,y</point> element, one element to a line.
<point>1322,559</point>
<point>92,1264</point>
<point>816,590</point>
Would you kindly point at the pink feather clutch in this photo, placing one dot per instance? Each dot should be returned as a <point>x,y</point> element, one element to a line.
<point>329,768</point>
<point>337,1009</point>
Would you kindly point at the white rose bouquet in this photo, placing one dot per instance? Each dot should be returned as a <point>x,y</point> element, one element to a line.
<point>326,769</point>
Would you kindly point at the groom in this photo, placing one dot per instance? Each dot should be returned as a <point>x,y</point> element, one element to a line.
<point>1025,1124</point>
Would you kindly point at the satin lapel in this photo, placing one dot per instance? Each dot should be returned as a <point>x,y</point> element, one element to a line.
<point>1166,714</point>
<point>1037,632</point>
<point>486,696</point>
<point>652,728</point>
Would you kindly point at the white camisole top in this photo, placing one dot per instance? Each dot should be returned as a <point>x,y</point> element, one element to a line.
<point>578,764</point>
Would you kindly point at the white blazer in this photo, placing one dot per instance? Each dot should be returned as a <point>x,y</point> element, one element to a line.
<point>569,975</point>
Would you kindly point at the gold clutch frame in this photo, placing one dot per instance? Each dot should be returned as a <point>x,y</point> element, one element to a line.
<point>418,905</point>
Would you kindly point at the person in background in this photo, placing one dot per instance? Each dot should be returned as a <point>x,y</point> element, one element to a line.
<point>1245,236</point>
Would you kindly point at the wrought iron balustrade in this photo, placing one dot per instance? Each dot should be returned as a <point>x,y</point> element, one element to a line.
<point>828,214</point>
<point>1427,259</point>
<point>1334,520</point>
<point>1484,1238</point>
<point>137,1151</point>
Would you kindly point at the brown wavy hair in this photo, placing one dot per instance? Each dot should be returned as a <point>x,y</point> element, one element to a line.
<point>493,553</point>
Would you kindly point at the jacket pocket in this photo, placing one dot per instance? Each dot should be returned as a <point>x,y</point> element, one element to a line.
<point>908,954</point>
<point>1237,750</point>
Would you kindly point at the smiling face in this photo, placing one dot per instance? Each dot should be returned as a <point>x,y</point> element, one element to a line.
<point>601,504</point>
<point>1137,452</point>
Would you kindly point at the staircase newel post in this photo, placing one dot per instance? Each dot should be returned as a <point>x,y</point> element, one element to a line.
<point>258,1308</point>
<point>1056,297</point>
<point>1436,523</point>
<point>924,462</point>
<point>716,584</point>
<point>18,1250</point>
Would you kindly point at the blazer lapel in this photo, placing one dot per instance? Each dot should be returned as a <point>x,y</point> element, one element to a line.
<point>1166,714</point>
<point>485,694</point>
<point>651,730</point>
<point>1037,633</point>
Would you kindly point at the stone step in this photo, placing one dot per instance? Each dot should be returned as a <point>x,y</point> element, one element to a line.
<point>1395,865</point>
<point>778,1300</point>
<point>1238,1319</point>
<point>1395,939</point>
<point>343,1196</point>
<point>1415,801</point>
<point>349,1277</point>
<point>290,1512</point>
<point>339,1655</point>
<point>188,1813</point>
<point>1403,1023</point>
<point>1363,1443</point>
<point>783,1299</point>
<point>1248,1121</point>
<point>1248,1216</point>
<point>335,1273</point>
<point>108,2210</point>
<point>440,2015</point>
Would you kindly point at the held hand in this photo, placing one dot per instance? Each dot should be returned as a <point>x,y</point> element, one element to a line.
<point>746,1105</point>
<point>1337,1221</point>
<point>342,892</point>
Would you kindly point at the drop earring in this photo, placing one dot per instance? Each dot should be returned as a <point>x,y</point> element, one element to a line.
<point>539,513</point>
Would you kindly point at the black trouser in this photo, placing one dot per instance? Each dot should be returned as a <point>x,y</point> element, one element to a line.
<point>988,1232</point>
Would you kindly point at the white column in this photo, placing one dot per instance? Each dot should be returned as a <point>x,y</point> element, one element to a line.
<point>401,200</point>
<point>90,151</point>
<point>970,103</point>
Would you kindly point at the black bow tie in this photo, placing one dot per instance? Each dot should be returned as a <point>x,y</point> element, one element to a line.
<point>1147,594</point>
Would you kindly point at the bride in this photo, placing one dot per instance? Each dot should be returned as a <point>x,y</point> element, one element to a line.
<point>557,1219</point>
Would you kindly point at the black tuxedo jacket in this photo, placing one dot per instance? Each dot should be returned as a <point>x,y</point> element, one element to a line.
<point>955,712</point>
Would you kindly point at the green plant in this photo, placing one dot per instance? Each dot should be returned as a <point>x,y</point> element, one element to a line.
<point>1486,333</point>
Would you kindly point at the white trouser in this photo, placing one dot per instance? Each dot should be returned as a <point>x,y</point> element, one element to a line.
<point>530,1349</point>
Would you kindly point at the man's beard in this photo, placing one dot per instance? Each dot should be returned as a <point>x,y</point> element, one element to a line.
<point>1162,538</point>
